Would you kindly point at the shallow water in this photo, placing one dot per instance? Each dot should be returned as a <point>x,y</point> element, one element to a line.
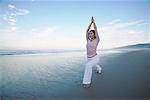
<point>35,75</point>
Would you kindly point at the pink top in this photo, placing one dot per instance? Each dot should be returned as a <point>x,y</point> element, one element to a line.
<point>92,45</point>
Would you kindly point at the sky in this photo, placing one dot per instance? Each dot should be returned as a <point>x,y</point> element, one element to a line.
<point>62,24</point>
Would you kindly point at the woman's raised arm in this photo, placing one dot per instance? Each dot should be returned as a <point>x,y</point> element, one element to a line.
<point>87,31</point>
<point>95,28</point>
<point>89,27</point>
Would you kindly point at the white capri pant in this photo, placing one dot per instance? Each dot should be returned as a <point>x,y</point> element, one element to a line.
<point>91,62</point>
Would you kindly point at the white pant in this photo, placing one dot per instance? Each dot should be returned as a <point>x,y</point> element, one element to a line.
<point>91,62</point>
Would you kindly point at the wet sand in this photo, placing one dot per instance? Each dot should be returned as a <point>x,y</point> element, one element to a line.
<point>124,76</point>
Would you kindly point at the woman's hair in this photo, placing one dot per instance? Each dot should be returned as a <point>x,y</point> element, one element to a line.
<point>93,32</point>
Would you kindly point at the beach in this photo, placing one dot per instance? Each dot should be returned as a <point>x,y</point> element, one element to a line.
<point>58,76</point>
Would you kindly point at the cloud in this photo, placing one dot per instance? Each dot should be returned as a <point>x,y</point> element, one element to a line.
<point>117,26</point>
<point>14,11</point>
<point>11,6</point>
<point>126,32</point>
<point>45,37</point>
<point>22,12</point>
<point>10,16</point>
<point>44,31</point>
<point>13,29</point>
<point>9,19</point>
<point>50,29</point>
<point>114,21</point>
<point>117,33</point>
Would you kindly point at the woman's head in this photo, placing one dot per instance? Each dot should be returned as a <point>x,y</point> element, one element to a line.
<point>92,34</point>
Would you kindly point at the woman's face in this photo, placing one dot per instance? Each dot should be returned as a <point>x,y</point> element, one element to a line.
<point>91,35</point>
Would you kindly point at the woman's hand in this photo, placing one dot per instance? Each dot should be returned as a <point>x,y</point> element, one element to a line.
<point>92,20</point>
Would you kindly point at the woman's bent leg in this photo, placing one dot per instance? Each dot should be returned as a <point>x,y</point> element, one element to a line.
<point>98,68</point>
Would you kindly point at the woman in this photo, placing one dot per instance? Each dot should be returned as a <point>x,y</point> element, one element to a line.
<point>92,57</point>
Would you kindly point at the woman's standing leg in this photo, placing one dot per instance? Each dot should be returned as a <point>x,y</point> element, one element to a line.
<point>88,70</point>
<point>87,73</point>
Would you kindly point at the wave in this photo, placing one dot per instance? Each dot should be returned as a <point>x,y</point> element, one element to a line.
<point>24,52</point>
